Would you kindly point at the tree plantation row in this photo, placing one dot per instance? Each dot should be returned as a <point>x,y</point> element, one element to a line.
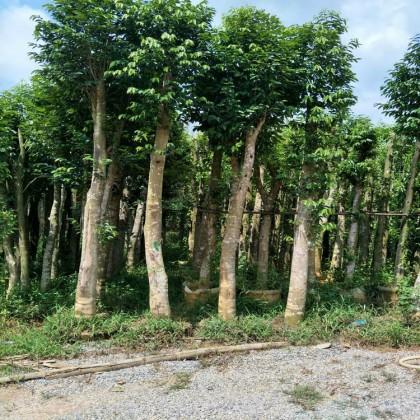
<point>145,126</point>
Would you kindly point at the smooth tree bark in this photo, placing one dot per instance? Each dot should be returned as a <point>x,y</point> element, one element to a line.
<point>381,235</point>
<point>41,225</point>
<point>353,233</point>
<point>135,237</point>
<point>158,279</point>
<point>227,294</point>
<point>51,241</point>
<point>85,305</point>
<point>296,299</point>
<point>337,254</point>
<point>57,245</point>
<point>268,199</point>
<point>12,263</point>
<point>402,240</point>
<point>210,218</point>
<point>255,229</point>
<point>365,229</point>
<point>22,216</point>
<point>73,234</point>
<point>119,212</point>
<point>109,215</point>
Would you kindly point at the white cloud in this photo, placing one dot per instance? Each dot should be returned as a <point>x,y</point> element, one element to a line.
<point>16,32</point>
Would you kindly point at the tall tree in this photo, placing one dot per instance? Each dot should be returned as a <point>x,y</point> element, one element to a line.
<point>402,90</point>
<point>326,64</point>
<point>250,70</point>
<point>76,48</point>
<point>168,38</point>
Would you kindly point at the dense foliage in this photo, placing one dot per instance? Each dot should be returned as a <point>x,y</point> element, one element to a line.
<point>154,158</point>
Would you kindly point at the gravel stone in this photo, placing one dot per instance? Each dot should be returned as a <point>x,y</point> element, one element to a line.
<point>354,384</point>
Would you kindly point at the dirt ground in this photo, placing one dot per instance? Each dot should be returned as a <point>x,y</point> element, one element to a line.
<point>289,383</point>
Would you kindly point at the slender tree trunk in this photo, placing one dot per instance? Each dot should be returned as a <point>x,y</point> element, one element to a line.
<point>268,199</point>
<point>209,222</point>
<point>337,255</point>
<point>58,238</point>
<point>51,239</point>
<point>12,264</point>
<point>353,233</point>
<point>365,229</point>
<point>22,217</point>
<point>41,228</point>
<point>110,208</point>
<point>402,241</point>
<point>158,280</point>
<point>255,229</point>
<point>296,299</point>
<point>135,237</point>
<point>119,212</point>
<point>227,295</point>
<point>86,285</point>
<point>74,228</point>
<point>198,231</point>
<point>381,236</point>
<point>264,249</point>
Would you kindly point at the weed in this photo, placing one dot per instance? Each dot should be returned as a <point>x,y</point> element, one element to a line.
<point>306,396</point>
<point>389,376</point>
<point>12,369</point>
<point>244,329</point>
<point>179,381</point>
<point>367,378</point>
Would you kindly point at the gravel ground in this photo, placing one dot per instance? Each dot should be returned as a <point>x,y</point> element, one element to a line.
<point>334,383</point>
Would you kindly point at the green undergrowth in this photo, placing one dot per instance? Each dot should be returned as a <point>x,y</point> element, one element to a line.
<point>43,325</point>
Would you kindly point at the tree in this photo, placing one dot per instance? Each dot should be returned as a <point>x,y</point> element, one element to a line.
<point>326,64</point>
<point>250,69</point>
<point>168,39</point>
<point>402,90</point>
<point>77,47</point>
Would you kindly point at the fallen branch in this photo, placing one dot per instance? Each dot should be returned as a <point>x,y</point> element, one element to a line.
<point>404,360</point>
<point>124,364</point>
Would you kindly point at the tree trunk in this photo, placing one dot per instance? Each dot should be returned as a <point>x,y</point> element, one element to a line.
<point>74,229</point>
<point>41,228</point>
<point>51,239</point>
<point>381,236</point>
<point>135,237</point>
<point>119,208</point>
<point>268,199</point>
<point>12,264</point>
<point>110,210</point>
<point>255,229</point>
<point>227,295</point>
<point>209,222</point>
<point>296,299</point>
<point>158,280</point>
<point>58,239</point>
<point>264,248</point>
<point>337,255</point>
<point>353,233</point>
<point>402,241</point>
<point>21,210</point>
<point>86,284</point>
<point>198,231</point>
<point>365,229</point>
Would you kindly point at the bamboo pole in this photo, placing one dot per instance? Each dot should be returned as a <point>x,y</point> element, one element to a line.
<point>129,363</point>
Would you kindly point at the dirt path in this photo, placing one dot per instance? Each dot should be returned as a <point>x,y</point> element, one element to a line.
<point>291,383</point>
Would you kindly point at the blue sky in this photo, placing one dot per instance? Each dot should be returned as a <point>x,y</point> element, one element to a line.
<point>383,27</point>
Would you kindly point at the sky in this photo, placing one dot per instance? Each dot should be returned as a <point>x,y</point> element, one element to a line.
<point>383,27</point>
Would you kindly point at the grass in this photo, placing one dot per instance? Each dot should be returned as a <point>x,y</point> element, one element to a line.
<point>43,325</point>
<point>305,395</point>
<point>12,369</point>
<point>179,381</point>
